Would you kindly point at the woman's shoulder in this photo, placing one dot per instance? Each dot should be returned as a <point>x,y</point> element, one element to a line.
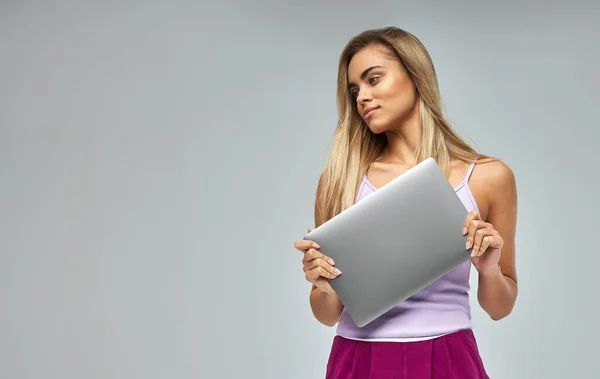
<point>493,172</point>
<point>493,183</point>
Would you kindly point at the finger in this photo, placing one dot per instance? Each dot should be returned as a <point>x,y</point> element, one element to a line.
<point>333,271</point>
<point>474,226</point>
<point>313,254</point>
<point>485,243</point>
<point>321,263</point>
<point>304,245</point>
<point>480,235</point>
<point>494,240</point>
<point>317,272</point>
<point>473,215</point>
<point>324,285</point>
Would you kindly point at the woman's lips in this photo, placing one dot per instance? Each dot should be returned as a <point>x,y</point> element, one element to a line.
<point>370,113</point>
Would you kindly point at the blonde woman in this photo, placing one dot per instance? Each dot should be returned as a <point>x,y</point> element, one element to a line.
<point>390,119</point>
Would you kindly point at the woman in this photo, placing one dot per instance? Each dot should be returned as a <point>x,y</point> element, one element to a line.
<point>390,119</point>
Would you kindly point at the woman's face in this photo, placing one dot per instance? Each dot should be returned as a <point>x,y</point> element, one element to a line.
<point>385,95</point>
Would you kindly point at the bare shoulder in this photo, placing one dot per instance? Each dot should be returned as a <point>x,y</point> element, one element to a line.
<point>493,175</point>
<point>493,186</point>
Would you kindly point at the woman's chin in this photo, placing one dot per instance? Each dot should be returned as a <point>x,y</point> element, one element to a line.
<point>376,128</point>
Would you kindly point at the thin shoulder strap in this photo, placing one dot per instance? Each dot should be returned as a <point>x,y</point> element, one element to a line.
<point>470,171</point>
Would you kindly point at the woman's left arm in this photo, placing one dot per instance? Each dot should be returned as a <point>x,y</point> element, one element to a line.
<point>493,243</point>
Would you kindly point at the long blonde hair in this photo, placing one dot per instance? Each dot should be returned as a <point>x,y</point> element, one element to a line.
<point>354,147</point>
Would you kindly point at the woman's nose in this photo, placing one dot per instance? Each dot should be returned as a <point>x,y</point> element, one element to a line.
<point>363,96</point>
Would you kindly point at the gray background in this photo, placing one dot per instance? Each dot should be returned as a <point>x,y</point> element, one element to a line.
<point>157,161</point>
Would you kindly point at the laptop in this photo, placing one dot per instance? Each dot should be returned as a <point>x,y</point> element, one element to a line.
<point>395,242</point>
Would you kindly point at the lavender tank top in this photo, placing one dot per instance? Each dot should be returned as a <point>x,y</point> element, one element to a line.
<point>442,307</point>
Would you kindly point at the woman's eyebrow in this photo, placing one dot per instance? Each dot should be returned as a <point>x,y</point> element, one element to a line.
<point>363,75</point>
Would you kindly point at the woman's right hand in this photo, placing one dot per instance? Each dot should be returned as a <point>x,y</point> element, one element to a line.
<point>317,267</point>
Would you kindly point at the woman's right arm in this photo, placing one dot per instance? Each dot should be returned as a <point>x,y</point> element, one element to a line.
<point>326,307</point>
<point>324,301</point>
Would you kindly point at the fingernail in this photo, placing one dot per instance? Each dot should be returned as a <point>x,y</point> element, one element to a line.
<point>315,246</point>
<point>472,253</point>
<point>468,245</point>
<point>336,271</point>
<point>331,262</point>
<point>464,230</point>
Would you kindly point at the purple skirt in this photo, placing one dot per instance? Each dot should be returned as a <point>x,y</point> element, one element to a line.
<point>452,356</point>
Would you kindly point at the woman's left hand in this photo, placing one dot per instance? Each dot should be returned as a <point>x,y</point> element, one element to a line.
<point>486,242</point>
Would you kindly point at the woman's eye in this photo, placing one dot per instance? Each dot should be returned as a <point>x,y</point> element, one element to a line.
<point>371,79</point>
